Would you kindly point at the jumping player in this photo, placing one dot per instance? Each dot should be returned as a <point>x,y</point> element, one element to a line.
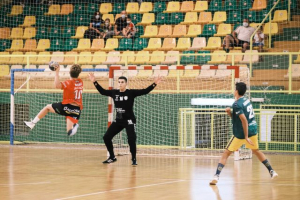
<point>244,131</point>
<point>71,105</point>
<point>123,100</point>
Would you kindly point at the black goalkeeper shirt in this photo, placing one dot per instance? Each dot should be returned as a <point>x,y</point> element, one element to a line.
<point>124,100</point>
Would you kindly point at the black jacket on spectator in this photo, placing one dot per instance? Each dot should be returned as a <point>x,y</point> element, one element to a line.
<point>121,23</point>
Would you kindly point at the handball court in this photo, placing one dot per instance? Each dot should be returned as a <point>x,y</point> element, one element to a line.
<point>63,172</point>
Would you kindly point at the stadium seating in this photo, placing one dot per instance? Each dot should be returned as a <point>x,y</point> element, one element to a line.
<point>187,6</point>
<point>16,33</point>
<point>80,32</point>
<point>69,58</point>
<point>183,44</point>
<point>16,10</point>
<point>273,29</point>
<point>208,30</point>
<point>140,44</point>
<point>247,58</point>
<point>57,56</point>
<point>190,18</point>
<point>146,7</point>
<point>43,45</point>
<point>83,44</point>
<point>44,58</point>
<point>172,57</point>
<point>105,8</point>
<point>198,43</point>
<point>85,57</point>
<point>153,44</point>
<point>165,31</point>
<point>111,44</point>
<point>4,33</point>
<point>150,31</point>
<point>159,7</point>
<point>30,45</point>
<point>237,58</point>
<point>125,44</point>
<point>173,6</point>
<point>98,58</point>
<point>234,17</point>
<point>179,31</point>
<point>54,9</point>
<point>29,32</point>
<point>4,70</point>
<point>218,57</point>
<point>295,71</point>
<point>204,18</point>
<point>5,44</point>
<point>193,31</point>
<point>191,74</point>
<point>31,59</point>
<point>215,5</point>
<point>161,18</point>
<point>297,60</point>
<point>117,8</point>
<point>127,57</point>
<point>168,44</point>
<point>97,45</point>
<point>223,30</point>
<point>280,16</point>
<point>156,58</point>
<point>175,18</point>
<point>245,4</point>
<point>142,57</point>
<point>16,45</point>
<point>175,73</point>
<point>132,7</point>
<point>213,43</point>
<point>28,21</point>
<point>219,17</point>
<point>66,9</point>
<point>259,5</point>
<point>230,5</point>
<point>148,18</point>
<point>4,60</point>
<point>187,58</point>
<point>113,57</point>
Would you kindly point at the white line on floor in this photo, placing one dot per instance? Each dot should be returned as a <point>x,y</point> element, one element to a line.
<point>36,183</point>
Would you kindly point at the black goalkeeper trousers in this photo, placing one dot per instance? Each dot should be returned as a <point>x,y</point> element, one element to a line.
<point>114,129</point>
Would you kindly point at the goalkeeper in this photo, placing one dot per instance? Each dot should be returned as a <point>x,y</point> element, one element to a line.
<point>123,100</point>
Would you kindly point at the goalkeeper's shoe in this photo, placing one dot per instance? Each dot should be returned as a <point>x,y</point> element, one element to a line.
<point>73,130</point>
<point>273,174</point>
<point>214,181</point>
<point>30,124</point>
<point>134,163</point>
<point>109,160</point>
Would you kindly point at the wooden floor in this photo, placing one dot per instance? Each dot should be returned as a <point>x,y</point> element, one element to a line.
<point>38,172</point>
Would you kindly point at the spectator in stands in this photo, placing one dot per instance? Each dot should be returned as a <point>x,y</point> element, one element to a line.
<point>259,39</point>
<point>130,29</point>
<point>96,22</point>
<point>240,37</point>
<point>121,23</point>
<point>107,29</point>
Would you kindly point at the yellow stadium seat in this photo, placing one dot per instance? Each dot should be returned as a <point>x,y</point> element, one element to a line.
<point>173,6</point>
<point>190,18</point>
<point>146,7</point>
<point>43,45</point>
<point>191,73</point>
<point>4,33</point>
<point>83,44</point>
<point>132,7</point>
<point>113,57</point>
<point>148,18</point>
<point>16,33</point>
<point>219,17</point>
<point>142,57</point>
<point>213,43</point>
<point>247,57</point>
<point>4,70</point>
<point>16,45</point>
<point>101,74</point>
<point>194,30</point>
<point>156,58</point>
<point>111,44</point>
<point>204,18</point>
<point>85,57</point>
<point>254,25</point>
<point>17,74</point>
<point>179,31</point>
<point>187,6</point>
<point>273,29</point>
<point>31,59</point>
<point>223,73</point>
<point>144,73</point>
<point>201,6</point>
<point>259,5</point>
<point>198,43</point>
<point>165,31</point>
<point>168,44</point>
<point>295,71</point>
<point>162,73</point>
<point>16,10</point>
<point>57,56</point>
<point>80,32</point>
<point>153,44</point>
<point>174,73</point>
<point>29,32</point>
<point>172,57</point>
<point>127,57</point>
<point>150,31</point>
<point>69,58</point>
<point>98,57</point>
<point>97,44</point>
<point>28,21</point>
<point>183,44</point>
<point>109,16</point>
<point>54,9</point>
<point>223,30</point>
<point>105,8</point>
<point>218,57</point>
<point>66,9</point>
<point>16,57</point>
<point>280,16</point>
<point>30,45</point>
<point>4,60</point>
<point>43,58</point>
<point>297,61</point>
<point>237,58</point>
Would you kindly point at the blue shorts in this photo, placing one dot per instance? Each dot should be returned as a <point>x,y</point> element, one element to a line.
<point>258,44</point>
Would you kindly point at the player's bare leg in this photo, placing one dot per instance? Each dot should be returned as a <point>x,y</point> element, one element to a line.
<point>41,115</point>
<point>71,127</point>
<point>261,156</point>
<point>221,165</point>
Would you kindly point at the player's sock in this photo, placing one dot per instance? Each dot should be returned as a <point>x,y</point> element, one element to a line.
<point>36,120</point>
<point>219,169</point>
<point>268,165</point>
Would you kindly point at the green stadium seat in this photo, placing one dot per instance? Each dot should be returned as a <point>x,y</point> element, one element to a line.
<point>208,30</point>
<point>139,31</point>
<point>41,9</point>
<point>140,44</point>
<point>202,59</point>
<point>230,5</point>
<point>4,21</point>
<point>29,10</point>
<point>68,32</point>
<point>92,8</point>
<point>5,44</point>
<point>234,17</point>
<point>54,20</point>
<point>55,32</point>
<point>245,4</point>
<point>175,18</point>
<point>14,21</point>
<point>271,3</point>
<point>159,7</point>
<point>187,59</point>
<point>67,20</point>
<point>82,20</point>
<point>69,44</point>
<point>136,18</point>
<point>215,5</point>
<point>5,9</point>
<point>251,15</point>
<point>41,21</point>
<point>56,45</point>
<point>117,8</point>
<point>162,18</point>
<point>125,44</point>
<point>293,4</point>
<point>79,9</point>
<point>260,15</point>
<point>42,33</point>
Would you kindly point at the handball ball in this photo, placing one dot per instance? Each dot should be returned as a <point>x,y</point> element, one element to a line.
<point>52,65</point>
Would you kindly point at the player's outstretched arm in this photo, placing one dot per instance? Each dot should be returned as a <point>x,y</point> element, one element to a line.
<point>245,127</point>
<point>57,83</point>
<point>100,89</point>
<point>157,80</point>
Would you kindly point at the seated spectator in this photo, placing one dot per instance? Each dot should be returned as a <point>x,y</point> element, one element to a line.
<point>240,37</point>
<point>120,23</point>
<point>96,22</point>
<point>130,29</point>
<point>107,29</point>
<point>259,39</point>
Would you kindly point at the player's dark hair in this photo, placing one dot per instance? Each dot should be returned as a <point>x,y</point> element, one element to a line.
<point>241,88</point>
<point>124,78</point>
<point>75,71</point>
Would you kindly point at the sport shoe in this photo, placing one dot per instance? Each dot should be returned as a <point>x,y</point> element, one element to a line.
<point>30,124</point>
<point>214,181</point>
<point>273,174</point>
<point>73,130</point>
<point>134,163</point>
<point>109,160</point>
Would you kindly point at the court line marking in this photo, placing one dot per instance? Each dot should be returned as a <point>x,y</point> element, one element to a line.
<point>117,190</point>
<point>37,183</point>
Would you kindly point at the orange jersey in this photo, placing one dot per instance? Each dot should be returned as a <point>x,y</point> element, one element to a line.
<point>72,92</point>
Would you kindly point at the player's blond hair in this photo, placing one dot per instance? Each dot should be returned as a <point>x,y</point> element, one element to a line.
<point>75,71</point>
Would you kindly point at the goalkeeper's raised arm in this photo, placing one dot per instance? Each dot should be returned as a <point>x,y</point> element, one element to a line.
<point>100,89</point>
